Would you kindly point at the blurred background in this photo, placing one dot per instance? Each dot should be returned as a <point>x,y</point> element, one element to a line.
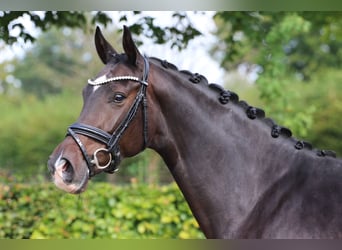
<point>288,63</point>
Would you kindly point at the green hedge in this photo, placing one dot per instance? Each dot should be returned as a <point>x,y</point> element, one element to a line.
<point>103,211</point>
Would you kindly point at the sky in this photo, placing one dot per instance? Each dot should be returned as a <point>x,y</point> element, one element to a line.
<point>194,58</point>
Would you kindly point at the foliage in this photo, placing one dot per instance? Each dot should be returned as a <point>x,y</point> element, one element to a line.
<point>306,41</point>
<point>31,129</point>
<point>325,91</point>
<point>179,34</point>
<point>61,59</point>
<point>287,48</point>
<point>103,211</point>
<point>10,20</point>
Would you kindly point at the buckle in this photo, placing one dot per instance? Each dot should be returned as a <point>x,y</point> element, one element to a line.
<point>95,160</point>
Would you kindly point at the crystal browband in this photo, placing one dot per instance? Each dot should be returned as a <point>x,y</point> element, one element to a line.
<point>100,81</point>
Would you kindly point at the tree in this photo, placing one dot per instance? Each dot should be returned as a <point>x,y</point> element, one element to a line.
<point>179,33</point>
<point>10,20</point>
<point>306,41</point>
<point>57,61</point>
<point>287,48</point>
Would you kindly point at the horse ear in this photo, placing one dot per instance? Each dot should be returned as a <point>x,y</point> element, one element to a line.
<point>130,49</point>
<point>103,48</point>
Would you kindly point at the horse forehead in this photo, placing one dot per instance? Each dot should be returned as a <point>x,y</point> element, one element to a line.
<point>107,72</point>
<point>99,79</point>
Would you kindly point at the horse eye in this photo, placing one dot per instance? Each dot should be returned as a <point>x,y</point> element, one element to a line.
<point>119,98</point>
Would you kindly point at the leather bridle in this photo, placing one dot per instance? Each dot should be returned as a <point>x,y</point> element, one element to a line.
<point>112,140</point>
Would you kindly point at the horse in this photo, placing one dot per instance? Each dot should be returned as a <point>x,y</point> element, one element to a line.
<point>242,175</point>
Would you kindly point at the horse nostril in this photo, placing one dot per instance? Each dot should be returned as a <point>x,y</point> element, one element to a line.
<point>67,171</point>
<point>66,167</point>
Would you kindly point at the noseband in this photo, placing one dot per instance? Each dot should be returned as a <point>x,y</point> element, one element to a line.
<point>112,140</point>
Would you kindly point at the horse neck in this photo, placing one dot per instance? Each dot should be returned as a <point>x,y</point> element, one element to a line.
<point>213,151</point>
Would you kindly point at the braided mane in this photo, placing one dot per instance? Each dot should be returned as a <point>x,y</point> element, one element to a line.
<point>226,96</point>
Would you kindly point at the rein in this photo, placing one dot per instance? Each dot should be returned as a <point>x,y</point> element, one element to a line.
<point>112,140</point>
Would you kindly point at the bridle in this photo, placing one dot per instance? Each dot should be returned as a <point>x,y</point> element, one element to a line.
<point>112,140</point>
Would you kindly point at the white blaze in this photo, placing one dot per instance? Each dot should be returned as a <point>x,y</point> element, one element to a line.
<point>100,79</point>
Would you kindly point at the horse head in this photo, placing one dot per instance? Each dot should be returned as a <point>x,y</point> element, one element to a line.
<point>113,121</point>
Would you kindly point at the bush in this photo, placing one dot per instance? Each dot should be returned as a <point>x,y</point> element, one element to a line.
<point>103,211</point>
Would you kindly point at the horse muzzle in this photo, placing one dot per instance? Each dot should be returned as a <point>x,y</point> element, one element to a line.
<point>66,176</point>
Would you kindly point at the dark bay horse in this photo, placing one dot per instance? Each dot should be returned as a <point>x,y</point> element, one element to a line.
<point>242,175</point>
